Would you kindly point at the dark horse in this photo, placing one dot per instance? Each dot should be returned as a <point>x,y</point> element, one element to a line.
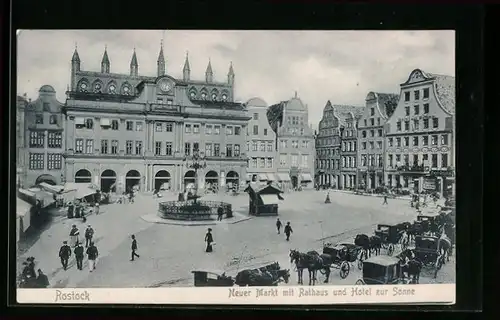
<point>363,241</point>
<point>375,245</point>
<point>312,261</point>
<point>410,266</point>
<point>265,276</point>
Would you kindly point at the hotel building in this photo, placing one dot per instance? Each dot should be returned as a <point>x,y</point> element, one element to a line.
<point>420,134</point>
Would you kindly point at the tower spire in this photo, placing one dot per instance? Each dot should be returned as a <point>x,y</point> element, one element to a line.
<point>75,57</point>
<point>230,74</point>
<point>105,65</point>
<point>161,61</point>
<point>186,71</point>
<point>209,75</point>
<point>134,66</point>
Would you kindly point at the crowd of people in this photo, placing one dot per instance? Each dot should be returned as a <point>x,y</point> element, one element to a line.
<point>31,278</point>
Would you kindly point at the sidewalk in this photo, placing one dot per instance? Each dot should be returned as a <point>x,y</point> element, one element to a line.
<point>369,194</point>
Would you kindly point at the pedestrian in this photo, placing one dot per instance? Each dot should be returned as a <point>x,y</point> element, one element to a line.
<point>385,199</point>
<point>220,213</point>
<point>209,240</point>
<point>89,234</point>
<point>42,280</point>
<point>288,231</point>
<point>92,255</point>
<point>26,271</point>
<point>97,207</point>
<point>73,235</point>
<point>134,249</point>
<point>79,256</point>
<point>278,225</point>
<point>64,254</point>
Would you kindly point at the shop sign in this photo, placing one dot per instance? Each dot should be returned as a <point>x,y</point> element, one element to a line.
<point>429,184</point>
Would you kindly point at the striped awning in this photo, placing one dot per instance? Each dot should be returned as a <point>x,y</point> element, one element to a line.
<point>306,177</point>
<point>283,177</point>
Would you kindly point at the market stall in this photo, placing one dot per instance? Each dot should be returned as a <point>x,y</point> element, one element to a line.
<point>263,200</point>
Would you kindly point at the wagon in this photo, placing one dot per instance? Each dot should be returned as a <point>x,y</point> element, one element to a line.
<point>342,255</point>
<point>427,251</point>
<point>389,236</point>
<point>211,279</point>
<point>382,270</point>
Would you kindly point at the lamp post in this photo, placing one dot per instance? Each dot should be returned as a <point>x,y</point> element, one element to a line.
<point>196,162</point>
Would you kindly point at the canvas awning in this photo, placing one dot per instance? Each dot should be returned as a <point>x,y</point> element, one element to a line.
<point>27,193</point>
<point>80,120</point>
<point>262,177</point>
<point>49,188</point>
<point>306,177</point>
<point>283,177</point>
<point>22,207</point>
<point>105,122</point>
<point>269,199</point>
<point>45,198</point>
<point>271,177</point>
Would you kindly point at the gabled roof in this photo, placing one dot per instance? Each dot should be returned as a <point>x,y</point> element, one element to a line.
<point>383,99</point>
<point>445,91</point>
<point>343,111</point>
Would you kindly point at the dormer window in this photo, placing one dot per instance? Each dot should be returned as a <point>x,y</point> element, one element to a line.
<point>53,119</point>
<point>126,90</point>
<point>203,95</point>
<point>83,87</point>
<point>39,118</point>
<point>224,97</point>
<point>192,94</point>
<point>112,89</point>
<point>214,96</point>
<point>97,88</point>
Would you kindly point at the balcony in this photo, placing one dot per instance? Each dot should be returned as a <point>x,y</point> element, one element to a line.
<point>414,169</point>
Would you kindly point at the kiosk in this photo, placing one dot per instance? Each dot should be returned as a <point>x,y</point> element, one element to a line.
<point>263,200</point>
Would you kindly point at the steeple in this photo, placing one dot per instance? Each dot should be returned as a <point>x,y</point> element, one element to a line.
<point>161,61</point>
<point>230,74</point>
<point>134,66</point>
<point>186,71</point>
<point>209,75</point>
<point>75,67</point>
<point>105,61</point>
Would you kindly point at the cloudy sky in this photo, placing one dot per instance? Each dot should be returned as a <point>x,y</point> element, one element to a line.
<point>342,66</point>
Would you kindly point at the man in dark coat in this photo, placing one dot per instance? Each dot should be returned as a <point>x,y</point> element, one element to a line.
<point>79,256</point>
<point>385,199</point>
<point>288,231</point>
<point>42,280</point>
<point>220,213</point>
<point>134,249</point>
<point>89,233</point>
<point>278,225</point>
<point>92,254</point>
<point>64,254</point>
<point>31,266</point>
<point>209,240</point>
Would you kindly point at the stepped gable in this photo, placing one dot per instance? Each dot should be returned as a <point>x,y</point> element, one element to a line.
<point>445,91</point>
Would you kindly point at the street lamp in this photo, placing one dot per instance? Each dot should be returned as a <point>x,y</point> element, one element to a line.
<point>196,162</point>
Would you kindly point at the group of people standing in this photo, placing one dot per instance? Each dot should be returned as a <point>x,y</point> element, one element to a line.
<point>30,278</point>
<point>92,252</point>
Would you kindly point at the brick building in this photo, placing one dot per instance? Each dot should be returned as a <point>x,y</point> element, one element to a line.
<point>126,130</point>
<point>294,142</point>
<point>261,143</point>
<point>40,141</point>
<point>371,138</point>
<point>420,134</point>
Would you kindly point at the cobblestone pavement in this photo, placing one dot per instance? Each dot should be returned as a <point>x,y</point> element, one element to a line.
<point>169,253</point>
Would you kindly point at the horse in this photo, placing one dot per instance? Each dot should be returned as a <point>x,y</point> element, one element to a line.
<point>375,245</point>
<point>363,241</point>
<point>410,265</point>
<point>445,248</point>
<point>264,276</point>
<point>313,261</point>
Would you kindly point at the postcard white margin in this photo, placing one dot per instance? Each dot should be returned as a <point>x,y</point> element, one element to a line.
<point>292,295</point>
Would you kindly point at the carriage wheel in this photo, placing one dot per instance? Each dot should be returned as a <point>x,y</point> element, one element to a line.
<point>360,282</point>
<point>390,249</point>
<point>360,264</point>
<point>344,269</point>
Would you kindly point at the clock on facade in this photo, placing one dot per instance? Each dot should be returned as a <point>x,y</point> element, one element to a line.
<point>165,85</point>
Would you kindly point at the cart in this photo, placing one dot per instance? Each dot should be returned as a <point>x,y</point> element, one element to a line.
<point>342,255</point>
<point>382,270</point>
<point>389,236</point>
<point>211,279</point>
<point>427,251</point>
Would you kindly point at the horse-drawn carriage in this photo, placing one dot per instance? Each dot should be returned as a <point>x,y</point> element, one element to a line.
<point>390,235</point>
<point>342,254</point>
<point>431,251</point>
<point>382,270</point>
<point>212,279</point>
